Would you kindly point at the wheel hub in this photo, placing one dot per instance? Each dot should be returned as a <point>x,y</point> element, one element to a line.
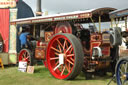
<point>125,76</point>
<point>61,61</point>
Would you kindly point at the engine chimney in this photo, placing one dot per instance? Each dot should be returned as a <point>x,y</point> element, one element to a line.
<point>38,10</point>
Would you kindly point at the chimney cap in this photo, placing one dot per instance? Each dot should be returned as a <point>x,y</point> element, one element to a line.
<point>39,13</point>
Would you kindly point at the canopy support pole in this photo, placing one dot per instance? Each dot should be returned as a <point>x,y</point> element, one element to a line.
<point>34,35</point>
<point>126,24</point>
<point>100,24</point>
<point>117,22</point>
<point>111,23</point>
<point>93,22</point>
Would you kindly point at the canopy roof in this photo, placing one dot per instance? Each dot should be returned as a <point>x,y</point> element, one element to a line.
<point>72,16</point>
<point>119,13</point>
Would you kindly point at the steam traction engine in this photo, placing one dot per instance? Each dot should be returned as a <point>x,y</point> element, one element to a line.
<point>120,18</point>
<point>66,47</point>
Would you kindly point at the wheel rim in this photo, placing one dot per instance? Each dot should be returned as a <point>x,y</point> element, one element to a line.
<point>122,73</point>
<point>45,63</point>
<point>24,56</point>
<point>60,57</point>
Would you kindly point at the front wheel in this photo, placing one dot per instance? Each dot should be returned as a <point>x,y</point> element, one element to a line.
<point>26,55</point>
<point>65,56</point>
<point>121,71</point>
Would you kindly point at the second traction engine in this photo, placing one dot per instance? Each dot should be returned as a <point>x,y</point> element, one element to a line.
<point>100,49</point>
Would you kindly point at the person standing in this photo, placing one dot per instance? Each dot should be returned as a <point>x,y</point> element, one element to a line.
<point>23,39</point>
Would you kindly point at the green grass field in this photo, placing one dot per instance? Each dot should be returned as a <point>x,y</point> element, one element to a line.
<point>41,76</point>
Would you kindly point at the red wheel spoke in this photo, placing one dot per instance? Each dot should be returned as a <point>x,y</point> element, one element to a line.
<point>67,67</point>
<point>54,58</point>
<point>56,67</point>
<point>62,67</point>
<point>63,71</point>
<point>27,57</point>
<point>72,59</point>
<point>64,45</point>
<point>23,55</point>
<point>69,48</point>
<point>70,62</point>
<point>70,51</point>
<point>57,63</point>
<point>59,43</point>
<point>56,53</point>
<point>59,48</point>
<point>55,49</point>
<point>70,55</point>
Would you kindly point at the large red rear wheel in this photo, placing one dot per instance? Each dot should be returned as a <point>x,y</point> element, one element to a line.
<point>65,56</point>
<point>26,55</point>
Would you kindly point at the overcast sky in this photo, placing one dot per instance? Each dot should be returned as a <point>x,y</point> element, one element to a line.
<point>59,6</point>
